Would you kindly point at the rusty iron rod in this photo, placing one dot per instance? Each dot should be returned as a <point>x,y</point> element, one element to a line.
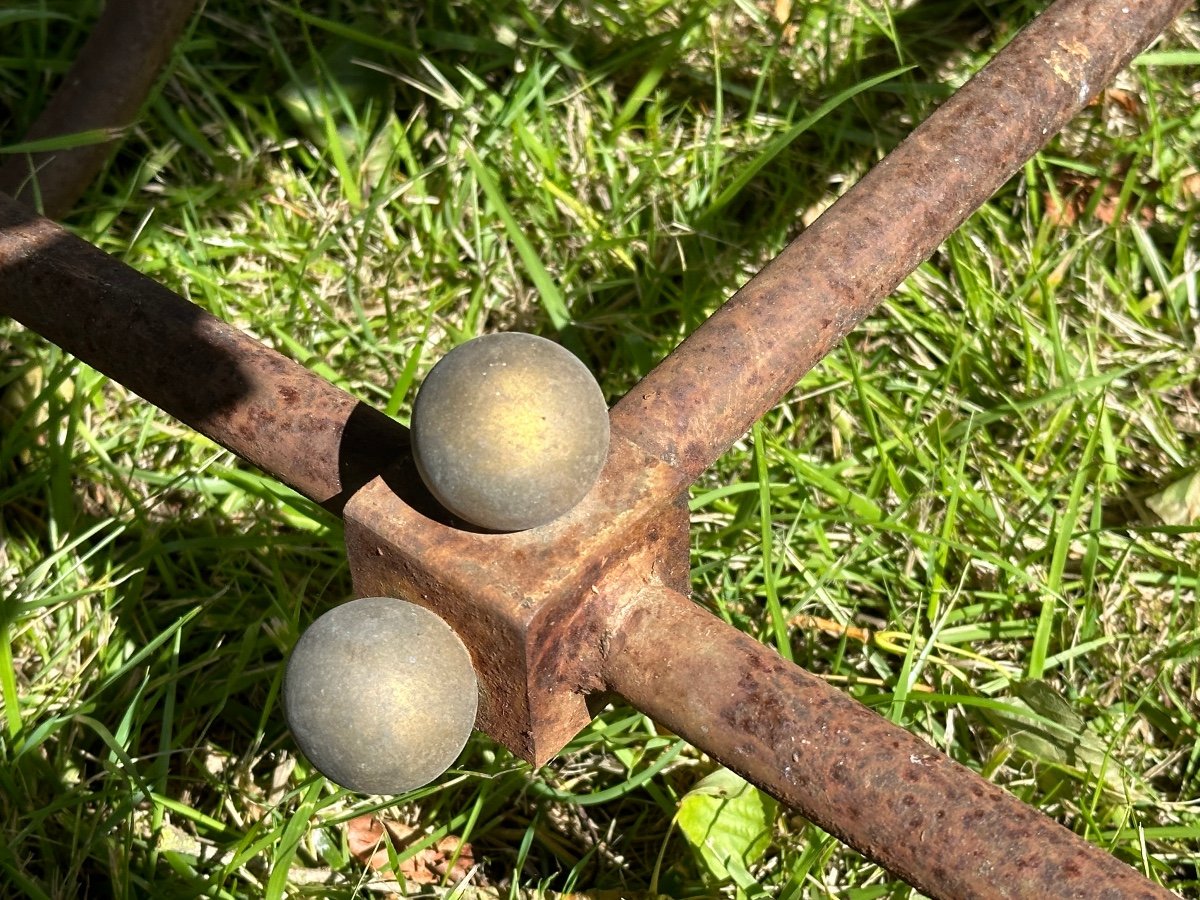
<point>885,792</point>
<point>264,407</point>
<point>103,90</point>
<point>754,349</point>
<point>321,441</point>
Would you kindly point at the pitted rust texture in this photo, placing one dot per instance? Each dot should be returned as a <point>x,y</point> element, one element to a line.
<point>511,597</point>
<point>755,348</point>
<point>883,791</point>
<point>103,90</point>
<point>575,606</point>
<point>531,605</point>
<point>261,405</point>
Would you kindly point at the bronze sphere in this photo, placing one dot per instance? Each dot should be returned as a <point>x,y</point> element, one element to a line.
<point>380,695</point>
<point>509,431</point>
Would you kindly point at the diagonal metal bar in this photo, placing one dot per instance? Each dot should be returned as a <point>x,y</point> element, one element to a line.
<point>103,91</point>
<point>754,349</point>
<point>883,791</point>
<point>550,639</point>
<point>264,407</point>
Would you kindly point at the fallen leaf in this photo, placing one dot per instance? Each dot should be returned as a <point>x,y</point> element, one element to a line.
<point>366,842</point>
<point>1189,185</point>
<point>728,822</point>
<point>433,864</point>
<point>1179,502</point>
<point>26,401</point>
<point>1129,102</point>
<point>367,838</point>
<point>1040,722</point>
<point>781,11</point>
<point>1075,195</point>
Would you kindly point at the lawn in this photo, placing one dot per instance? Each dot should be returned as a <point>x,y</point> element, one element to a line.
<point>980,515</point>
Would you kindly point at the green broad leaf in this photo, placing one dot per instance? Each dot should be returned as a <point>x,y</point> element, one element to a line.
<point>1042,724</point>
<point>25,404</point>
<point>339,99</point>
<point>20,399</point>
<point>379,158</point>
<point>728,822</point>
<point>345,76</point>
<point>1179,502</point>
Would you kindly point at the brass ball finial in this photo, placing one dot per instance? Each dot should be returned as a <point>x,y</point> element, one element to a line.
<point>509,431</point>
<point>380,694</point>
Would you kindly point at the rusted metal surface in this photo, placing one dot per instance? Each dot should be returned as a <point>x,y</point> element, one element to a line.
<point>883,791</point>
<point>581,605</point>
<point>263,406</point>
<point>526,603</point>
<point>103,90</point>
<point>755,348</point>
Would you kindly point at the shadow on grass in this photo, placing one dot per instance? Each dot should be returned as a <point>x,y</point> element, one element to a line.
<point>236,581</point>
<point>686,274</point>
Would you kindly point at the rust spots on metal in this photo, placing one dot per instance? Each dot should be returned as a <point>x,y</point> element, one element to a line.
<point>594,600</point>
<point>878,788</point>
<point>530,605</point>
<point>263,406</point>
<point>103,91</point>
<point>755,348</point>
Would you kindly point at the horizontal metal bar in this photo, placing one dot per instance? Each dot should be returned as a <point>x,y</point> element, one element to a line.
<point>739,363</point>
<point>890,795</point>
<point>263,406</point>
<point>103,90</point>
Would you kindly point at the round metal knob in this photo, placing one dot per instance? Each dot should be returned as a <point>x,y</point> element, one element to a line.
<point>509,431</point>
<point>380,695</point>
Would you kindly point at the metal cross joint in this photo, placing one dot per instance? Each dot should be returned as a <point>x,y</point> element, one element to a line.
<point>567,611</point>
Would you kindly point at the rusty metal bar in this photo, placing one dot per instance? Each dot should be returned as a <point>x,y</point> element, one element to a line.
<point>754,349</point>
<point>104,89</point>
<point>550,639</point>
<point>875,786</point>
<point>263,406</point>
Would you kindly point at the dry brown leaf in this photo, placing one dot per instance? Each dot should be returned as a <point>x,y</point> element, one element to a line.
<point>364,839</point>
<point>432,864</point>
<point>1189,185</point>
<point>367,839</point>
<point>1062,211</point>
<point>1129,102</point>
<point>1077,192</point>
<point>366,842</point>
<point>782,11</point>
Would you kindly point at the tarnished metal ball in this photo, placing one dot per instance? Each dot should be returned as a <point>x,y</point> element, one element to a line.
<point>380,695</point>
<point>509,431</point>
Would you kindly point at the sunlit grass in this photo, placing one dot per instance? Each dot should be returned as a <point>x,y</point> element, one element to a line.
<point>948,517</point>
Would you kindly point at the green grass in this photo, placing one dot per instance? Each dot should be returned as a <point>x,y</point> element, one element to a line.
<point>950,517</point>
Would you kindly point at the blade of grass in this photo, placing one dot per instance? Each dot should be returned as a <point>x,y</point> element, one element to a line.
<point>1064,537</point>
<point>548,292</point>
<point>780,143</point>
<point>766,534</point>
